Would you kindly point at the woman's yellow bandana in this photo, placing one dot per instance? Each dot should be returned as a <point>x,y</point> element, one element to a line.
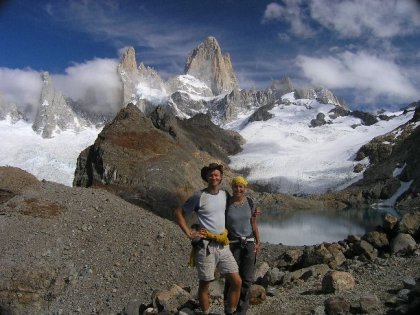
<point>239,180</point>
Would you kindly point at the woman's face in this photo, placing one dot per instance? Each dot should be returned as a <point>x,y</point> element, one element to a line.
<point>238,190</point>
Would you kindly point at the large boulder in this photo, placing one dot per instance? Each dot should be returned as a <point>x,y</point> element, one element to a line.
<point>337,281</point>
<point>410,224</point>
<point>402,242</point>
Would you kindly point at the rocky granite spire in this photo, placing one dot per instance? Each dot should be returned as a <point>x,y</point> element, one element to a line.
<point>138,81</point>
<point>54,114</point>
<point>128,60</point>
<point>207,64</point>
<point>127,69</point>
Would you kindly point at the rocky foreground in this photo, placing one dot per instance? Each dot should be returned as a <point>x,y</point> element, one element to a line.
<point>85,251</point>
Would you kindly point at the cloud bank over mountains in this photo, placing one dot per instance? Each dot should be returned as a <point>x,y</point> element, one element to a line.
<point>366,51</point>
<point>372,66</point>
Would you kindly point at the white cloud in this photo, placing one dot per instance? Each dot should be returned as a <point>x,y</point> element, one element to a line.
<point>273,11</point>
<point>290,13</point>
<point>368,75</point>
<point>22,87</point>
<point>121,24</point>
<point>348,18</point>
<point>95,83</point>
<point>353,18</point>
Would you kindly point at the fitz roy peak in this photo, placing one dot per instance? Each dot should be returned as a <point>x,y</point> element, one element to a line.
<point>208,85</point>
<point>54,114</point>
<point>208,64</point>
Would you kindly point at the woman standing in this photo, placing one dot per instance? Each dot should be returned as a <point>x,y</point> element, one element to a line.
<point>244,238</point>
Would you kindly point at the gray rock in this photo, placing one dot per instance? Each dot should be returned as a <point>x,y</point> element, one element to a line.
<point>403,295</point>
<point>290,259</point>
<point>402,242</point>
<point>358,168</point>
<point>369,303</point>
<point>261,271</point>
<point>365,250</point>
<point>410,224</point>
<point>306,273</point>
<point>409,283</point>
<point>319,310</point>
<point>319,120</point>
<point>389,222</point>
<point>337,281</point>
<point>378,239</point>
<point>172,299</point>
<point>257,294</point>
<point>273,276</point>
<point>336,305</point>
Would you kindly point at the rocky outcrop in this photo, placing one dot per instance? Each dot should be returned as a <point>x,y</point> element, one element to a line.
<point>367,119</point>
<point>207,63</point>
<point>391,175</point>
<point>140,83</point>
<point>154,162</point>
<point>319,120</point>
<point>393,156</point>
<point>54,114</point>
<point>322,95</point>
<point>184,106</point>
<point>227,109</point>
<point>262,113</point>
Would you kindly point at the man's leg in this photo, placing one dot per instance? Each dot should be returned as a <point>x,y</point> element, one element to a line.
<point>203,295</point>
<point>236,251</point>
<point>234,292</point>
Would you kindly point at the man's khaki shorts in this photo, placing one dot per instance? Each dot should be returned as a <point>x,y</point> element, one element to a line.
<point>212,256</point>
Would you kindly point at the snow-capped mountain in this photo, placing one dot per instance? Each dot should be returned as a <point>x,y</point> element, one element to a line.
<point>298,140</point>
<point>9,110</point>
<point>285,153</point>
<point>54,114</point>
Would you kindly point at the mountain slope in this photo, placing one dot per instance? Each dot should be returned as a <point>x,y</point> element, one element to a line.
<point>285,153</point>
<point>153,162</point>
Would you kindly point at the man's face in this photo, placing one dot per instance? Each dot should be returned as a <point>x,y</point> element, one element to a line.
<point>214,177</point>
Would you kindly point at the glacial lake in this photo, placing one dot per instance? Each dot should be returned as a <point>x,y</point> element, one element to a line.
<point>309,227</point>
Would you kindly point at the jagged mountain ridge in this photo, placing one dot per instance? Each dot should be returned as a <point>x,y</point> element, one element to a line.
<point>209,85</point>
<point>187,96</point>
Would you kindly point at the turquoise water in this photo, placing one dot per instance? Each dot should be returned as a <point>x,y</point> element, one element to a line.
<point>309,227</point>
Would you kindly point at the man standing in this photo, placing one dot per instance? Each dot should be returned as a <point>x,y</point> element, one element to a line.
<point>212,250</point>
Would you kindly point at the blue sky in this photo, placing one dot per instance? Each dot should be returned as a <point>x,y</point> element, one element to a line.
<point>364,51</point>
